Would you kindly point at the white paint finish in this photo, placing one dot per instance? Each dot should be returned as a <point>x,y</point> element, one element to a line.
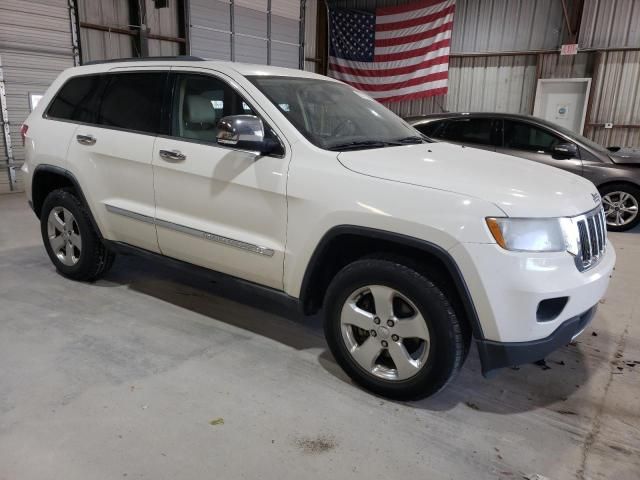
<point>117,171</point>
<point>225,192</point>
<point>520,188</point>
<point>507,287</point>
<point>563,101</point>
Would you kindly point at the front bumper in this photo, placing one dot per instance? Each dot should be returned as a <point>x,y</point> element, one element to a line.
<point>496,355</point>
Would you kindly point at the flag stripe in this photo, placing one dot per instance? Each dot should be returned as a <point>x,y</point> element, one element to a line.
<point>409,11</point>
<point>383,67</point>
<point>440,59</point>
<point>417,37</point>
<point>384,28</point>
<point>368,80</point>
<point>400,54</point>
<point>385,87</point>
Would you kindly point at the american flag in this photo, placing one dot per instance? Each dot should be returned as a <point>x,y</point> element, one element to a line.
<point>397,53</point>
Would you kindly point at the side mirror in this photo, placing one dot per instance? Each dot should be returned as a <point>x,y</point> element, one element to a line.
<point>565,150</point>
<point>245,132</point>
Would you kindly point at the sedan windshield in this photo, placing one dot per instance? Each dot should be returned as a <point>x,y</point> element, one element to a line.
<point>334,116</point>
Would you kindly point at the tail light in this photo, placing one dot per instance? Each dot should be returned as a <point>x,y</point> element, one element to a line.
<point>23,132</point>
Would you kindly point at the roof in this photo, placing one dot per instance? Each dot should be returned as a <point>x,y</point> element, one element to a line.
<point>441,116</point>
<point>245,69</point>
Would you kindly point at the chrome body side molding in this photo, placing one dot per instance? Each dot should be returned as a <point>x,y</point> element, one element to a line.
<point>213,237</point>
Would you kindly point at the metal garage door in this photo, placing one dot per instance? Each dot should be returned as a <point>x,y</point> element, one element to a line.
<point>35,46</point>
<point>253,31</point>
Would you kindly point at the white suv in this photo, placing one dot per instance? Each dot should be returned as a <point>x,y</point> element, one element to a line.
<point>302,184</point>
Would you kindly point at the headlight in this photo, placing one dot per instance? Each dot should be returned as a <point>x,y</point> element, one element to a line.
<point>535,234</point>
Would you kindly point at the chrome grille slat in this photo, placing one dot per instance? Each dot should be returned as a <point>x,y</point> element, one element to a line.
<point>592,235</point>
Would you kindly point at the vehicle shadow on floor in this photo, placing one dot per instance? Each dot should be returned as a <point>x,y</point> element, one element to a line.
<point>510,391</point>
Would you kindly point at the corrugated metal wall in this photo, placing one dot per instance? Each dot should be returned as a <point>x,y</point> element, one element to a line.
<point>35,46</point>
<point>610,23</point>
<point>98,45</point>
<point>163,21</point>
<point>616,99</point>
<point>256,36</point>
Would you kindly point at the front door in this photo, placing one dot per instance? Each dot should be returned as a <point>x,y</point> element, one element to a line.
<point>526,140</point>
<point>218,207</point>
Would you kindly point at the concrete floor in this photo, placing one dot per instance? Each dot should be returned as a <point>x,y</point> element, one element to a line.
<point>124,377</point>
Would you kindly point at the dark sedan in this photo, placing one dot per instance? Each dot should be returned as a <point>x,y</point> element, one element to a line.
<point>615,172</point>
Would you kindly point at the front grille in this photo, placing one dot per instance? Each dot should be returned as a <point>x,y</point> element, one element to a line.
<point>592,233</point>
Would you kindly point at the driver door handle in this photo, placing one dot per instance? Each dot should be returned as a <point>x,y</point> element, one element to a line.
<point>172,155</point>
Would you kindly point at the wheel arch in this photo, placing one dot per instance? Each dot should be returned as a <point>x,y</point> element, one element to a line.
<point>346,243</point>
<point>47,178</point>
<point>617,181</point>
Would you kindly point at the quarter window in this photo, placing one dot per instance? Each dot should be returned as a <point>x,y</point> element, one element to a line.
<point>200,102</point>
<point>76,99</point>
<point>133,101</point>
<point>524,136</point>
<point>468,130</point>
<point>431,129</point>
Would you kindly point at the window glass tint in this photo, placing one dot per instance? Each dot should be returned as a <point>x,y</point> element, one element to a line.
<point>200,102</point>
<point>133,101</point>
<point>524,136</point>
<point>431,129</point>
<point>468,130</point>
<point>76,99</point>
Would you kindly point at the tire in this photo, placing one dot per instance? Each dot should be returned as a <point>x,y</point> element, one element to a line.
<point>624,197</point>
<point>72,243</point>
<point>417,309</point>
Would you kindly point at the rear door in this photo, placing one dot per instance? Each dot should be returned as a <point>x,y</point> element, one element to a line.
<point>216,206</point>
<point>476,132</point>
<point>527,140</point>
<point>111,155</point>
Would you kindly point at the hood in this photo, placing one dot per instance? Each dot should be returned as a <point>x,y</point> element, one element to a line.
<point>625,155</point>
<point>521,188</point>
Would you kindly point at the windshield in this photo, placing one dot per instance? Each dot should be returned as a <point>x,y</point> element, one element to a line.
<point>335,116</point>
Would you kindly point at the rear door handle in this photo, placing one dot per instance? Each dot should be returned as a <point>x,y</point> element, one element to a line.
<point>172,155</point>
<point>86,139</point>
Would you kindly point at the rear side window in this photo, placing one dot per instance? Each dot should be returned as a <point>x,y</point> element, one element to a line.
<point>76,100</point>
<point>133,101</point>
<point>469,130</point>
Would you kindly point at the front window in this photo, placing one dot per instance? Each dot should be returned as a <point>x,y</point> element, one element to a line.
<point>335,116</point>
<point>524,136</point>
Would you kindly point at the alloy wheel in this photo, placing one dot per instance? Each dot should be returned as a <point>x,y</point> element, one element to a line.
<point>64,236</point>
<point>385,333</point>
<point>620,208</point>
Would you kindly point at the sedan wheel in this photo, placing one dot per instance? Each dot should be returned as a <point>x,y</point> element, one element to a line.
<point>620,208</point>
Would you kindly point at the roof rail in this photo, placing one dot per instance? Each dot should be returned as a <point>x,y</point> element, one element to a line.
<point>178,58</point>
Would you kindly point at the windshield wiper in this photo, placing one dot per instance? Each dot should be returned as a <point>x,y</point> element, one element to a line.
<point>409,140</point>
<point>361,144</point>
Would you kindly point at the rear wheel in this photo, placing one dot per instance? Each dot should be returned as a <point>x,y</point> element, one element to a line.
<point>392,330</point>
<point>71,242</point>
<point>620,202</point>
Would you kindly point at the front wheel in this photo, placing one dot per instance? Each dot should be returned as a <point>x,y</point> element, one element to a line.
<point>620,202</point>
<point>392,330</point>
